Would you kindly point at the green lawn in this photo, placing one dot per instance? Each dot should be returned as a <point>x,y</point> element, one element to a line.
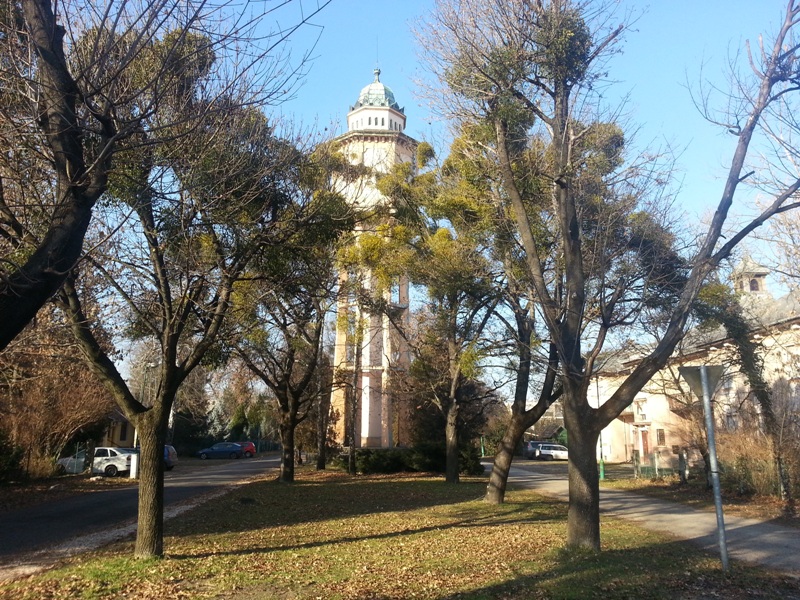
<point>330,536</point>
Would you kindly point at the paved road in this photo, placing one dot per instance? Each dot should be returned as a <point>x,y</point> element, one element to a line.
<point>53,523</point>
<point>749,540</point>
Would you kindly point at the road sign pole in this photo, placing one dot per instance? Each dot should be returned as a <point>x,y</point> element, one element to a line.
<point>714,466</point>
<point>702,381</point>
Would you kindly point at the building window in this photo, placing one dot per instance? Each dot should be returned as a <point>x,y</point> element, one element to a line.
<point>754,285</point>
<point>123,431</point>
<point>660,437</point>
<point>383,121</point>
<point>369,121</point>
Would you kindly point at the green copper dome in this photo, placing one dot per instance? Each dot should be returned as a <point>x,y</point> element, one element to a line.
<point>377,94</point>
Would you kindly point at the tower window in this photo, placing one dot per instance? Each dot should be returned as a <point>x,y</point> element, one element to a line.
<point>382,122</point>
<point>754,285</point>
<point>370,121</point>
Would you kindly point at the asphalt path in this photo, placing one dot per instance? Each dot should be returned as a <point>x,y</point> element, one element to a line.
<point>749,540</point>
<point>53,523</point>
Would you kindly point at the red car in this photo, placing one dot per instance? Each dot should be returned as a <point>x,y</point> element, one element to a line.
<point>248,449</point>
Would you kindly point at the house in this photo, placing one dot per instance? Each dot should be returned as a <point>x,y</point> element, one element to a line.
<point>665,416</point>
<point>119,432</point>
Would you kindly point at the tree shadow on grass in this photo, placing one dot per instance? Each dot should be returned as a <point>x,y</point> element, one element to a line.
<point>273,504</point>
<point>672,570</point>
<point>635,563</point>
<point>303,504</point>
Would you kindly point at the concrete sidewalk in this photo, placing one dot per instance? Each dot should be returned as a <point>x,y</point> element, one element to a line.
<point>749,540</point>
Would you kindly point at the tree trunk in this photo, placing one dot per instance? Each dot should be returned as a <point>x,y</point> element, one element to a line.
<point>785,480</point>
<point>351,452</point>
<point>355,390</point>
<point>287,455</point>
<point>451,435</point>
<point>150,528</point>
<point>784,476</point>
<point>521,419</point>
<point>25,290</point>
<point>496,490</point>
<point>583,520</point>
<point>707,466</point>
<point>322,430</point>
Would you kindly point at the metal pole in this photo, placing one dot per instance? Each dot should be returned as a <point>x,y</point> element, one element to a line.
<point>712,456</point>
<point>602,458</point>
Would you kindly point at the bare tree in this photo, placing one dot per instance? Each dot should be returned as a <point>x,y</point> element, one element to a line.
<point>281,340</point>
<point>533,364</point>
<point>83,85</point>
<point>190,221</point>
<point>48,394</point>
<point>529,70</point>
<point>428,239</point>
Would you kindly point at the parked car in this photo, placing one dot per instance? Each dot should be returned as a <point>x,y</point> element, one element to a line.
<point>531,449</point>
<point>221,450</point>
<point>170,457</point>
<point>107,461</point>
<point>248,449</point>
<point>553,451</point>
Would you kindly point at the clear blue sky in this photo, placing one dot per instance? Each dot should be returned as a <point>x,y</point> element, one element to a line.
<point>671,40</point>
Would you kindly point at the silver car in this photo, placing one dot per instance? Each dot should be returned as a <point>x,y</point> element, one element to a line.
<point>553,451</point>
<point>107,461</point>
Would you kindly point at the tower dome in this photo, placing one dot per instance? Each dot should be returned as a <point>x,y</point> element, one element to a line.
<point>377,94</point>
<point>376,109</point>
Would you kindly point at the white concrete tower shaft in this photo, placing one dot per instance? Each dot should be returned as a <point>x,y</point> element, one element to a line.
<point>374,139</point>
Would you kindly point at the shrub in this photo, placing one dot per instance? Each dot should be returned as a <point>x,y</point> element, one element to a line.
<point>382,460</point>
<point>469,462</point>
<point>432,457</point>
<point>428,457</point>
<point>493,436</point>
<point>749,475</point>
<point>10,460</point>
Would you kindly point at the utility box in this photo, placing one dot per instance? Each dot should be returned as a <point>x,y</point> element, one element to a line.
<point>134,472</point>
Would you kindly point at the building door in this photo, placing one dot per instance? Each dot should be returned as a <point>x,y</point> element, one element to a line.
<point>645,442</point>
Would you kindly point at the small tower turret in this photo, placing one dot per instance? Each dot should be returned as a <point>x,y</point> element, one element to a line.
<point>750,278</point>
